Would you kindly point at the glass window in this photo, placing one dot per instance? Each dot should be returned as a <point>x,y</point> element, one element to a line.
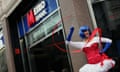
<point>45,28</point>
<point>47,57</point>
<point>47,47</point>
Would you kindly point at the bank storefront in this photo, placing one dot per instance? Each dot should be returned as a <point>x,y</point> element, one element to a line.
<point>41,38</point>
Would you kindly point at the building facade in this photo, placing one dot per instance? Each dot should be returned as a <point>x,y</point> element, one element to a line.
<point>35,33</point>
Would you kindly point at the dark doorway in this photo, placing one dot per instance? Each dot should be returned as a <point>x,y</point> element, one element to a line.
<point>46,57</point>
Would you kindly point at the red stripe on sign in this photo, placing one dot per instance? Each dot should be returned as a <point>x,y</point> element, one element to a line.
<point>30,18</point>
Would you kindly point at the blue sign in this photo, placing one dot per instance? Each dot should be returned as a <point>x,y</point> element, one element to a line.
<point>44,8</point>
<point>26,28</point>
<point>20,29</point>
<point>52,5</point>
<point>40,11</point>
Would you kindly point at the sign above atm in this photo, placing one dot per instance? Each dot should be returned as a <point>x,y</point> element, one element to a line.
<point>40,11</point>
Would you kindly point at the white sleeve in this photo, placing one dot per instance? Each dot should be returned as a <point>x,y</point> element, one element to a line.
<point>79,45</point>
<point>103,39</point>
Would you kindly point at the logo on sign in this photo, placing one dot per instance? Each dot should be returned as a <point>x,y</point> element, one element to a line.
<point>40,10</point>
<point>30,18</point>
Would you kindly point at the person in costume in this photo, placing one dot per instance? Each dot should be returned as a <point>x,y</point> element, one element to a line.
<point>98,61</point>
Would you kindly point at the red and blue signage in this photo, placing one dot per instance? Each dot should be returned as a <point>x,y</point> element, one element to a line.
<point>36,14</point>
<point>30,18</point>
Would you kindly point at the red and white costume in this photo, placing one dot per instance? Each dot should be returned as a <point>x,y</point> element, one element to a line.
<point>96,62</point>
